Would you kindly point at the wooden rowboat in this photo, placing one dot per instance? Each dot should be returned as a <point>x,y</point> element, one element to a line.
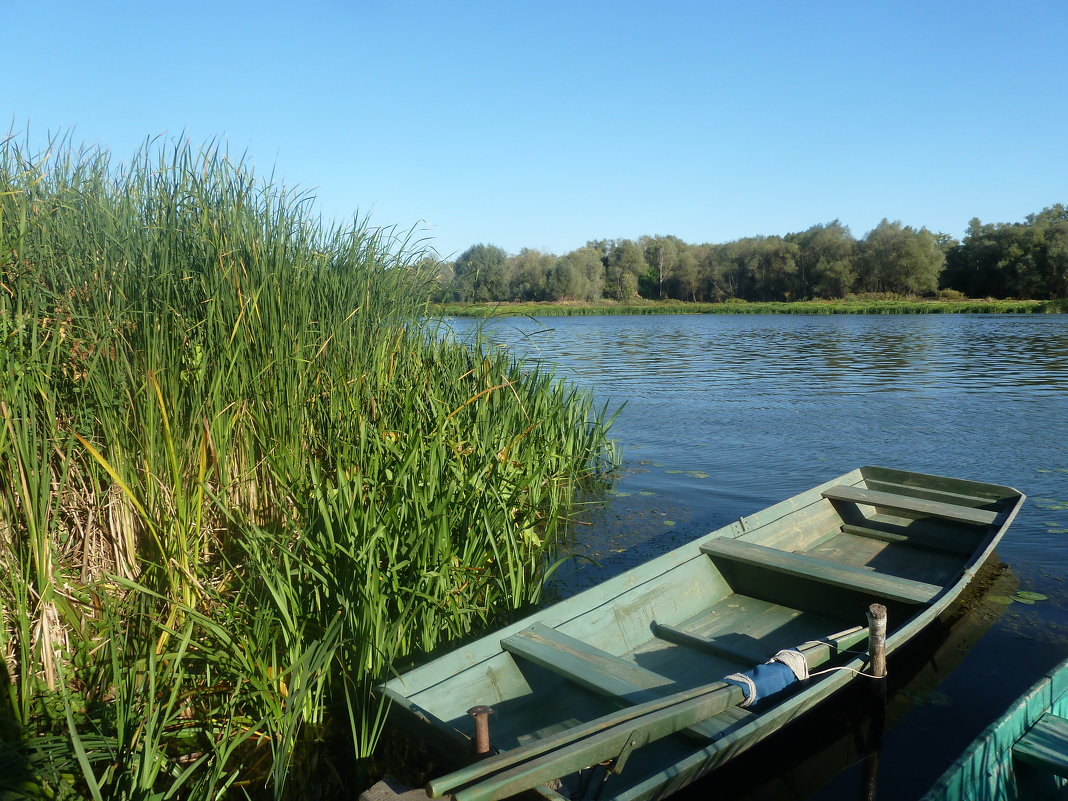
<point>1022,756</point>
<point>617,693</point>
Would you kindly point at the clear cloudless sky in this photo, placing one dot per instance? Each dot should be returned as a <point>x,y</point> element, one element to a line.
<point>546,124</point>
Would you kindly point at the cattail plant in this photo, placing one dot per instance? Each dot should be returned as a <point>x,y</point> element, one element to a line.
<point>240,478</point>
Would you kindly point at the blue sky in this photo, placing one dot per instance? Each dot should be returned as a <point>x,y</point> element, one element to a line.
<point>545,124</point>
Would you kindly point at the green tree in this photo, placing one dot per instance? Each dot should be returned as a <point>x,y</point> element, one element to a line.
<point>625,265</point>
<point>588,265</point>
<point>687,277</point>
<point>661,253</point>
<point>825,262</point>
<point>482,274</point>
<point>529,271</point>
<point>900,259</point>
<point>765,268</point>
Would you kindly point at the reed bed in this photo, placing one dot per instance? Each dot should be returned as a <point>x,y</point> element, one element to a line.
<point>240,480</point>
<point>881,306</point>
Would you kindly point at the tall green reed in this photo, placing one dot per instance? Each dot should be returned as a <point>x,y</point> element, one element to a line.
<point>239,479</point>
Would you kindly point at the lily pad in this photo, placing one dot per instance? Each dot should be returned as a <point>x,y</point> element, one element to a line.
<point>1027,601</point>
<point>621,494</point>
<point>696,474</point>
<point>669,522</point>
<point>1051,506</point>
<point>675,472</point>
<point>646,492</point>
<point>1031,596</point>
<point>999,599</point>
<point>1057,531</point>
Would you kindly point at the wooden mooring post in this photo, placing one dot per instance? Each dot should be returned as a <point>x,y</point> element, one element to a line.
<point>877,669</point>
<point>877,647</point>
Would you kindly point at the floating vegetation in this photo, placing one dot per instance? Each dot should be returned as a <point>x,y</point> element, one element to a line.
<point>691,473</point>
<point>1021,597</point>
<point>1050,504</point>
<point>646,492</point>
<point>1026,595</point>
<point>669,522</point>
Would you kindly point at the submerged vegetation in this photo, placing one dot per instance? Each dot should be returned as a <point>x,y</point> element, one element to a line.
<point>239,480</point>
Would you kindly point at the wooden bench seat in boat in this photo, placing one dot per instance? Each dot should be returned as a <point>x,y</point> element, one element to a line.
<point>880,585</point>
<point>604,673</point>
<point>930,494</point>
<point>1045,745</point>
<point>906,503</point>
<point>931,540</point>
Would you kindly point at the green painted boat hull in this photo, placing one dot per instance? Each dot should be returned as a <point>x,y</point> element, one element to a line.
<point>1020,756</point>
<point>797,572</point>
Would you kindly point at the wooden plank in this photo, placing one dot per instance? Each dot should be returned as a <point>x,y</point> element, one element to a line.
<point>880,585</point>
<point>596,670</point>
<point>928,539</point>
<point>905,503</point>
<point>821,650</point>
<point>931,494</point>
<point>710,645</point>
<point>1045,745</point>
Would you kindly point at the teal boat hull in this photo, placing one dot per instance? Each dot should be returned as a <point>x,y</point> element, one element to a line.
<point>1022,756</point>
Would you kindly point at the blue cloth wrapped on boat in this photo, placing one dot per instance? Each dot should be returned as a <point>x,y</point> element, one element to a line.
<point>771,678</point>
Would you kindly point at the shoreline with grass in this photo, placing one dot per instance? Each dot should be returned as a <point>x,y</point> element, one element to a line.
<point>240,481</point>
<point>846,306</point>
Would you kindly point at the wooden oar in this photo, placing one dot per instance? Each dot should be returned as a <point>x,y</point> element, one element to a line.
<point>610,737</point>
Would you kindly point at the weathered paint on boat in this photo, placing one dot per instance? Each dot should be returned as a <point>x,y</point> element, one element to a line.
<point>795,573</point>
<point>1022,756</point>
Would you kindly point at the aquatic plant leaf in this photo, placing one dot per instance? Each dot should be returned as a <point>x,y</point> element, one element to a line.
<point>999,599</point>
<point>1031,596</point>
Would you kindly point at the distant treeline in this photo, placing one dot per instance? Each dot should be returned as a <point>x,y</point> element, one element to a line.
<point>999,260</point>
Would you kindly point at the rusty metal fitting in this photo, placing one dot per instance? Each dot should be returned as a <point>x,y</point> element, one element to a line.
<point>481,715</point>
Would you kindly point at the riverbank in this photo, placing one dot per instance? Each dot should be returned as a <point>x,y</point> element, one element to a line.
<point>880,306</point>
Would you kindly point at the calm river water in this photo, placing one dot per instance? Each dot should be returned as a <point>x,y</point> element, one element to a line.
<point>724,415</point>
